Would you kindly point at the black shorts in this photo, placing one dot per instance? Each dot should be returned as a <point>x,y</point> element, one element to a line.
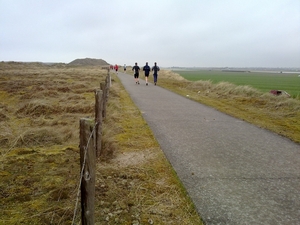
<point>146,74</point>
<point>136,75</point>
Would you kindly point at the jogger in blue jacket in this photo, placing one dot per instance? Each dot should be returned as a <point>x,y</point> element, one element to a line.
<point>147,69</point>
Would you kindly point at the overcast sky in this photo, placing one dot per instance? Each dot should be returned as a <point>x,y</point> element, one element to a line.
<point>204,33</point>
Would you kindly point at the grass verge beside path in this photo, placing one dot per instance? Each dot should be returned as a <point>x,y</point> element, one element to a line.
<point>275,113</point>
<point>138,185</point>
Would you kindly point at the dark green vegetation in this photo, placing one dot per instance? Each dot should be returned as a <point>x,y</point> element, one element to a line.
<point>264,81</point>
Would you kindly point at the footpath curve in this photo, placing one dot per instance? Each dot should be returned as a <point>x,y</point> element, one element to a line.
<point>234,172</point>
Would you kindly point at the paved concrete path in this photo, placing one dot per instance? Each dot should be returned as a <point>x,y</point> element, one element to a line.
<point>235,172</point>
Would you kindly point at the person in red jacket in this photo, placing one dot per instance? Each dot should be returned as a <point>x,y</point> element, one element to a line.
<point>116,68</point>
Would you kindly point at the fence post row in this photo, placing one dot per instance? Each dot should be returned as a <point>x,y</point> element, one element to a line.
<point>101,97</point>
<point>90,148</point>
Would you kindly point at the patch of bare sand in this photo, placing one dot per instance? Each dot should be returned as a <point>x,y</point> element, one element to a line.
<point>126,159</point>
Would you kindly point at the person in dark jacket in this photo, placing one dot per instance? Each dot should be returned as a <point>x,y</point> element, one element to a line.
<point>146,69</point>
<point>136,69</point>
<point>155,70</point>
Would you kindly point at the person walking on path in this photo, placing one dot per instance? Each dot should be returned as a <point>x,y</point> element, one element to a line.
<point>136,69</point>
<point>125,68</point>
<point>155,69</point>
<point>146,69</point>
<point>116,68</point>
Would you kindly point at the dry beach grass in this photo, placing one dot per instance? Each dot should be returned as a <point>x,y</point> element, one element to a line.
<point>40,110</point>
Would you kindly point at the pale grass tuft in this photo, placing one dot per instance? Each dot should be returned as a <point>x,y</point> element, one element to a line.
<point>224,87</point>
<point>39,137</point>
<point>245,90</point>
<point>288,103</point>
<point>6,134</point>
<point>167,74</point>
<point>201,85</point>
<point>35,108</point>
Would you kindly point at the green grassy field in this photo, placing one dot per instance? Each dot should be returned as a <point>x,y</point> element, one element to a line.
<point>289,82</point>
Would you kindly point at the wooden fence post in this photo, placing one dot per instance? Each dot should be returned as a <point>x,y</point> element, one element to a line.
<point>98,120</point>
<point>109,79</point>
<point>104,97</point>
<point>87,162</point>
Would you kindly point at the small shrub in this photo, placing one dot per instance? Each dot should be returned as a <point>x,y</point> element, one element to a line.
<point>245,90</point>
<point>39,137</point>
<point>3,117</point>
<point>36,108</point>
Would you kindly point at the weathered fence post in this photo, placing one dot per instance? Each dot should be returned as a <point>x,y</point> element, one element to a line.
<point>87,162</point>
<point>98,120</point>
<point>104,98</point>
<point>109,78</point>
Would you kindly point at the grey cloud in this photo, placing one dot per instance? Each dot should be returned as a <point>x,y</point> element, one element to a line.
<point>193,33</point>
